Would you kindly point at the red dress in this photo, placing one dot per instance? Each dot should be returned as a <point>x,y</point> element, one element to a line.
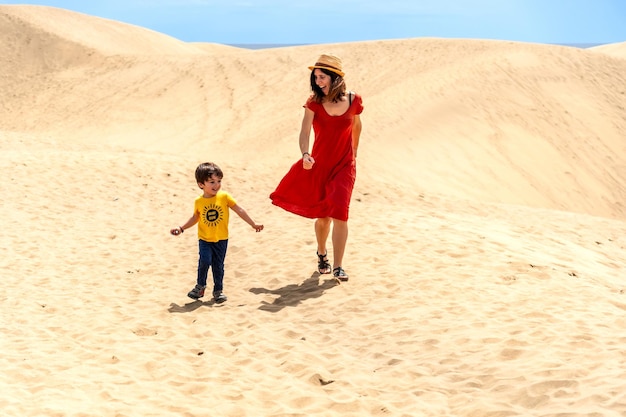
<point>325,189</point>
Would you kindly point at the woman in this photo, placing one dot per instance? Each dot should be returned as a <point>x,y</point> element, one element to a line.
<point>320,185</point>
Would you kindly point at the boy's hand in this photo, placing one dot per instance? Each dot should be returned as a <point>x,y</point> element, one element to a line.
<point>258,227</point>
<point>176,231</point>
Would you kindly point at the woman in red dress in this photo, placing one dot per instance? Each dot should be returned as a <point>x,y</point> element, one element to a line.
<point>320,185</point>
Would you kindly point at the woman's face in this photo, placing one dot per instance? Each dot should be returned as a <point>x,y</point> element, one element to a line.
<point>322,80</point>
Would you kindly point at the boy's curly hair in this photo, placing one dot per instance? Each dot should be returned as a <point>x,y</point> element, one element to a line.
<point>206,170</point>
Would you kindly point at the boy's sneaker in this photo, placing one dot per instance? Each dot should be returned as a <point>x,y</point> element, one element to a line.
<point>219,297</point>
<point>197,292</point>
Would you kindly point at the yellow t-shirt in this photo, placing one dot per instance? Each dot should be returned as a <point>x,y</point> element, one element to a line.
<point>213,216</point>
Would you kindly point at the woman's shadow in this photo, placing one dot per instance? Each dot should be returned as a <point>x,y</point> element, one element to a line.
<point>293,294</point>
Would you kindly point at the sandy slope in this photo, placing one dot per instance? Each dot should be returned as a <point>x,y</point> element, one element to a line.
<point>617,50</point>
<point>486,254</point>
<point>476,117</point>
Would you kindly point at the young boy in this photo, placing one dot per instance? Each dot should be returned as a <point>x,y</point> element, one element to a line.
<point>211,211</point>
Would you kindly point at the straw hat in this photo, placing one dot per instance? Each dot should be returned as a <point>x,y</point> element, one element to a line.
<point>329,62</point>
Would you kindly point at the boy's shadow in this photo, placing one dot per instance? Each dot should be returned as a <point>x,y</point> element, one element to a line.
<point>189,307</point>
<point>293,294</point>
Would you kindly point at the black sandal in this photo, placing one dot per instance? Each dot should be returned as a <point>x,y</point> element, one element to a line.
<point>340,274</point>
<point>323,266</point>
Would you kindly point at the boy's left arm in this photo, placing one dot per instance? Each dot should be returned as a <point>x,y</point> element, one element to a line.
<point>244,215</point>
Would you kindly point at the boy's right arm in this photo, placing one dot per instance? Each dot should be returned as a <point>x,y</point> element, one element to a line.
<point>180,229</point>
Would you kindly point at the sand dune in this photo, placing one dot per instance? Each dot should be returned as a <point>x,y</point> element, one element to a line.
<point>485,120</point>
<point>486,254</point>
<point>617,50</point>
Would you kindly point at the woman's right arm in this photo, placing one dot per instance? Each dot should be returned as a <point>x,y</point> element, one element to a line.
<point>305,130</point>
<point>305,134</point>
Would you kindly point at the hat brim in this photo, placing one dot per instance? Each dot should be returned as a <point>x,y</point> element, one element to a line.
<point>335,70</point>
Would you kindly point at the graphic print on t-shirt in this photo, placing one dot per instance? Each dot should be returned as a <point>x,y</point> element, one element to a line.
<point>212,215</point>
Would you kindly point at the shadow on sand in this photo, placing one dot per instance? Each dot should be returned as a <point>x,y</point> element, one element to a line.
<point>293,294</point>
<point>189,307</point>
<point>288,296</point>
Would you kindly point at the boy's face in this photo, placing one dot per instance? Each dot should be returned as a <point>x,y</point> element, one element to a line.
<point>211,186</point>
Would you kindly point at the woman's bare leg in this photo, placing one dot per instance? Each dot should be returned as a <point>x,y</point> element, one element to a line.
<point>340,237</point>
<point>322,230</point>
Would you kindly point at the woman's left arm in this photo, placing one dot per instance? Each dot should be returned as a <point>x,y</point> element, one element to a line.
<point>356,133</point>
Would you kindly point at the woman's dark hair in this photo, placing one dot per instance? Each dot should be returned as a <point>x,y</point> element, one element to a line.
<point>206,170</point>
<point>337,87</point>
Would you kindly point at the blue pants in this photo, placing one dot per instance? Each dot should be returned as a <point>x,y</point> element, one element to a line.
<point>212,254</point>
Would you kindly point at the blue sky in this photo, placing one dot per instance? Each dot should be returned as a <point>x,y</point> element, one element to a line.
<point>331,21</point>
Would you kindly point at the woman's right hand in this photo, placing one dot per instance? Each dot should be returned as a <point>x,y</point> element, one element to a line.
<point>307,161</point>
